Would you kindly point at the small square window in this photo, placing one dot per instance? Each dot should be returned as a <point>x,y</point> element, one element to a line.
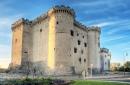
<point>40,30</point>
<point>79,42</point>
<point>98,44</point>
<point>85,44</point>
<point>57,22</point>
<point>82,51</point>
<point>75,50</point>
<point>15,40</point>
<point>84,60</point>
<point>98,38</point>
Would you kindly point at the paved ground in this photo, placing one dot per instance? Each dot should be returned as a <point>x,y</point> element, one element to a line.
<point>110,78</point>
<point>119,78</point>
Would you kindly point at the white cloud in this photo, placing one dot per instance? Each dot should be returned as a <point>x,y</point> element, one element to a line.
<point>104,24</point>
<point>113,31</point>
<point>112,39</point>
<point>92,3</point>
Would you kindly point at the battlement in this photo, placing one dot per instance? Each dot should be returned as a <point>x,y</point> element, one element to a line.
<point>80,25</point>
<point>104,50</point>
<point>93,28</point>
<point>19,22</point>
<point>40,18</point>
<point>62,9</point>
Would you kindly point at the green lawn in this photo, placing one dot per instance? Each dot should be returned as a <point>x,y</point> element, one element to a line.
<point>85,82</point>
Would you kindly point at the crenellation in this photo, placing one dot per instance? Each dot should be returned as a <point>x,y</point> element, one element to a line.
<point>93,28</point>
<point>80,25</point>
<point>104,50</point>
<point>20,22</point>
<point>39,19</point>
<point>62,8</point>
<point>17,23</point>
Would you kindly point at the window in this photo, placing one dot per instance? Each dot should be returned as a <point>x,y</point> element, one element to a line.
<point>105,63</point>
<point>83,36</point>
<point>82,51</point>
<point>77,34</point>
<point>98,44</point>
<point>79,42</point>
<point>85,44</point>
<point>40,30</point>
<point>57,22</point>
<point>71,32</point>
<point>75,50</point>
<point>84,60</point>
<point>15,40</point>
<point>80,60</point>
<point>98,38</point>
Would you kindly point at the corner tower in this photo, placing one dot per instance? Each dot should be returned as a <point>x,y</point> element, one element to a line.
<point>60,25</point>
<point>20,44</point>
<point>94,49</point>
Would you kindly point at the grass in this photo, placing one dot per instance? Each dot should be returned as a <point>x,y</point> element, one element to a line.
<point>86,82</point>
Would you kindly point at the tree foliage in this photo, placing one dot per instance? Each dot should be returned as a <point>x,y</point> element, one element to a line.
<point>118,67</point>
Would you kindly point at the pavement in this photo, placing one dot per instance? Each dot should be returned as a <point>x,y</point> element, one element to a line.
<point>107,78</point>
<point>114,78</point>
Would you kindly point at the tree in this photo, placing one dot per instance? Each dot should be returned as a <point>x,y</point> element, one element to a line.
<point>127,66</point>
<point>114,66</point>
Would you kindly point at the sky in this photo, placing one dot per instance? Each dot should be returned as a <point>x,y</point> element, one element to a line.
<point>112,16</point>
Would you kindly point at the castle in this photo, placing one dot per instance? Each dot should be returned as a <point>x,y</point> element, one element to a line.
<point>56,44</point>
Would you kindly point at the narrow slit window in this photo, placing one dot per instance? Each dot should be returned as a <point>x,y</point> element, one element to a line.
<point>71,32</point>
<point>79,42</point>
<point>85,44</point>
<point>98,44</point>
<point>84,60</point>
<point>75,50</point>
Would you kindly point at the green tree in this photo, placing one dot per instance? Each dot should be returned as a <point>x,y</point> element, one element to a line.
<point>127,66</point>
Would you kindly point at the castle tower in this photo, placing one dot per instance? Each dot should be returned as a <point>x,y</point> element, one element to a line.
<point>60,26</point>
<point>94,49</point>
<point>105,59</point>
<point>21,35</point>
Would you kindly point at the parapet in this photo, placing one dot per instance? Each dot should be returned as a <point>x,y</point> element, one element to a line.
<point>80,25</point>
<point>104,50</point>
<point>93,28</point>
<point>62,9</point>
<point>19,22</point>
<point>40,18</point>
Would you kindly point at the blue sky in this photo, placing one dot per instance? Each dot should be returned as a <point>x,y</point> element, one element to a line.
<point>113,16</point>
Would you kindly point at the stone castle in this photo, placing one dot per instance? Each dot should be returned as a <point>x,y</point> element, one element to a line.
<point>56,44</point>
